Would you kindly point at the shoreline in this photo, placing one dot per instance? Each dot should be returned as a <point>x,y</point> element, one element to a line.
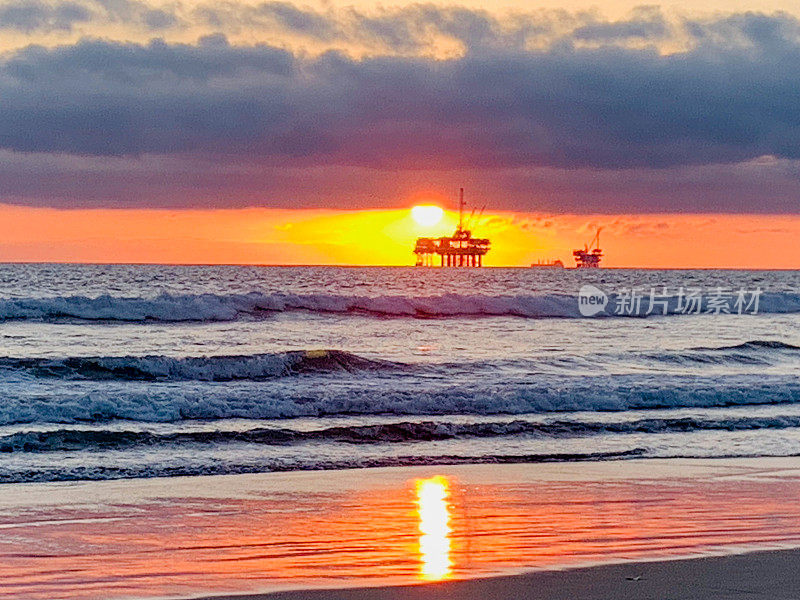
<point>571,530</point>
<point>760,574</point>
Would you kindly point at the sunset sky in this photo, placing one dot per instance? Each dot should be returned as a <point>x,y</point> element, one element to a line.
<point>303,132</point>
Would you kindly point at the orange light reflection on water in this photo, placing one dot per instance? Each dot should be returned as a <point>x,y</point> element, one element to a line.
<point>434,528</point>
<point>237,534</point>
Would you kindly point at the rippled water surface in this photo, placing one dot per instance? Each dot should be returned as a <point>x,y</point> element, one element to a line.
<point>139,371</point>
<point>192,537</point>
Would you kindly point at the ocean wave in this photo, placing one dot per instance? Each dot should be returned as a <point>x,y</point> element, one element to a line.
<point>72,440</point>
<point>230,307</point>
<point>65,401</point>
<point>264,366</point>
<point>752,345</point>
<point>753,352</point>
<point>213,368</point>
<point>100,473</point>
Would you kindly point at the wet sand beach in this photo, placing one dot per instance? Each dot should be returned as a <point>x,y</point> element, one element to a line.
<point>189,537</point>
<point>758,575</point>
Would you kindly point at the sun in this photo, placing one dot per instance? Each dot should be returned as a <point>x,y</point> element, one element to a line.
<point>427,215</point>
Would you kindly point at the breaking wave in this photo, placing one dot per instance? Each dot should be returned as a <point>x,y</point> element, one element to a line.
<point>230,307</point>
<point>214,368</point>
<point>753,345</point>
<point>257,367</point>
<point>80,401</point>
<point>106,472</point>
<point>387,433</point>
<point>753,352</point>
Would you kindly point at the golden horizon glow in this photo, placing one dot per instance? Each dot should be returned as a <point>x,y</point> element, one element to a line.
<point>385,237</point>
<point>427,215</point>
<point>434,528</point>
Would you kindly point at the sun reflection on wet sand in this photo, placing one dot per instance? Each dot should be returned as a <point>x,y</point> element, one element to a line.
<point>434,528</point>
<point>195,537</point>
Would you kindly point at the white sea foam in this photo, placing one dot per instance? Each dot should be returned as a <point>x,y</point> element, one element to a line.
<point>64,401</point>
<point>201,368</point>
<point>56,437</point>
<point>228,307</point>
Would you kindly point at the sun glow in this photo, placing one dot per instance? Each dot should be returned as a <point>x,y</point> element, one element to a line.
<point>427,215</point>
<point>265,236</point>
<point>434,528</point>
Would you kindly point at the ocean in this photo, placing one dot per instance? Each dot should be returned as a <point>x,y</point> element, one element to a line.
<point>120,372</point>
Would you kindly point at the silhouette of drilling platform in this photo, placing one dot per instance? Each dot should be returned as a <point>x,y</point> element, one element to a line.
<point>458,250</point>
<point>589,257</point>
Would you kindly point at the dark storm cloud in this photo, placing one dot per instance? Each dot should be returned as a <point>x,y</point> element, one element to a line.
<point>171,182</point>
<point>38,16</point>
<point>28,16</point>
<point>584,121</point>
<point>299,20</point>
<point>107,98</point>
<point>564,106</point>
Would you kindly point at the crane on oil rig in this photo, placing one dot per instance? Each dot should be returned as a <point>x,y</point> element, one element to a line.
<point>589,257</point>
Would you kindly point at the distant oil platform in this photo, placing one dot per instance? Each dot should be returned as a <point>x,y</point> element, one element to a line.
<point>589,257</point>
<point>458,250</point>
<point>463,250</point>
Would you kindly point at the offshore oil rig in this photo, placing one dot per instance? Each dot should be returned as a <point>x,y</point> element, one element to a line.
<point>589,257</point>
<point>458,250</point>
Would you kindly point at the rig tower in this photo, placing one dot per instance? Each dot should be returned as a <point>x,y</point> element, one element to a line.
<point>589,257</point>
<point>458,250</point>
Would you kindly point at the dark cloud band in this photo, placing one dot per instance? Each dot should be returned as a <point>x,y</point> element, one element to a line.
<point>607,107</point>
<point>731,97</point>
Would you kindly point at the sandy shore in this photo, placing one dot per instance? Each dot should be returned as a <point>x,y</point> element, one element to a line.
<point>771,575</point>
<point>370,530</point>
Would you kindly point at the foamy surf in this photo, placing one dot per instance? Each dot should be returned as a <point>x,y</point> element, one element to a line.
<point>58,439</point>
<point>231,307</point>
<point>264,366</point>
<point>322,395</point>
<point>130,371</point>
<point>212,368</point>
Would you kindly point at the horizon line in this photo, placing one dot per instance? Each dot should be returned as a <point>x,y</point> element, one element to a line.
<point>384,266</point>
